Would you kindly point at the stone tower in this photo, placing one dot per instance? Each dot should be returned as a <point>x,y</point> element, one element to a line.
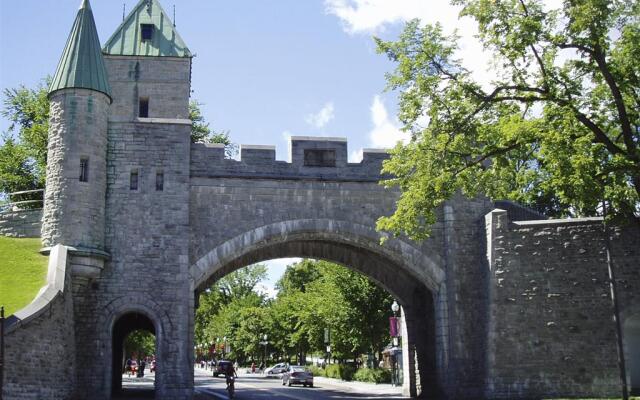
<point>80,96</point>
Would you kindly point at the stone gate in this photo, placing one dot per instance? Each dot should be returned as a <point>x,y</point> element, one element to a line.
<point>498,303</point>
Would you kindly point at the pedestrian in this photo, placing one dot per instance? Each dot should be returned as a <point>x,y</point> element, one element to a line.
<point>253,367</point>
<point>127,367</point>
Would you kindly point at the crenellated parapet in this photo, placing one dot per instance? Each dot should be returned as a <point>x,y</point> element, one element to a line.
<point>316,158</point>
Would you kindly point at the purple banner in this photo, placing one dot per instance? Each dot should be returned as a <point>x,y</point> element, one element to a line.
<point>393,326</point>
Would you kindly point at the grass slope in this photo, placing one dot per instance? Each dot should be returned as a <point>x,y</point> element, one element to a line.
<point>23,271</point>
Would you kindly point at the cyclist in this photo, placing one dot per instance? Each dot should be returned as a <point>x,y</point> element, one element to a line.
<point>230,374</point>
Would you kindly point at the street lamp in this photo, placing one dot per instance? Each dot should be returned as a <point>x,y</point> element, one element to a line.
<point>393,327</point>
<point>264,360</point>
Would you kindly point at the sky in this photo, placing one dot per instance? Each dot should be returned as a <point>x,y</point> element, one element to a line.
<point>263,70</point>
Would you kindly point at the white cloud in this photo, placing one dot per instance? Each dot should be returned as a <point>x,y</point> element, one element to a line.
<point>355,156</point>
<point>266,289</point>
<point>367,16</point>
<point>385,133</point>
<point>373,16</point>
<point>322,117</point>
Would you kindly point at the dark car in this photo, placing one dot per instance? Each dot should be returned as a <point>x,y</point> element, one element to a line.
<point>296,374</point>
<point>221,367</point>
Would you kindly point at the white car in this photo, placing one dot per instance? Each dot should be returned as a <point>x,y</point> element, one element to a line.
<point>276,369</point>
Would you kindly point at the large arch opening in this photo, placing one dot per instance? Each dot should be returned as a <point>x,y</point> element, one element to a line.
<point>403,271</point>
<point>133,356</point>
<point>631,337</point>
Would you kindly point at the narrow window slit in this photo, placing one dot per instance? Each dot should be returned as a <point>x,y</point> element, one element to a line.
<point>159,181</point>
<point>133,180</point>
<point>143,107</point>
<point>84,170</point>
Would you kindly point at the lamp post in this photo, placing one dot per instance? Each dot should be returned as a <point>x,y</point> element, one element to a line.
<point>393,327</point>
<point>327,341</point>
<point>224,349</point>
<point>265,343</point>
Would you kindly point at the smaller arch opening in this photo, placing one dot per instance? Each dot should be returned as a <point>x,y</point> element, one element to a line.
<point>134,345</point>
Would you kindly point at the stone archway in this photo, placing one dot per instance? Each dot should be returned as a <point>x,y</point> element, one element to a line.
<point>409,275</point>
<point>122,316</point>
<point>123,326</point>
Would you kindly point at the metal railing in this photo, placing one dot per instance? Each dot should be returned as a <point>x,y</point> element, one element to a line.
<point>24,200</point>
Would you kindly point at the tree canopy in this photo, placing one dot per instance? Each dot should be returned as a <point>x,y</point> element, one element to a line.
<point>557,128</point>
<point>202,133</point>
<point>313,296</point>
<point>23,155</point>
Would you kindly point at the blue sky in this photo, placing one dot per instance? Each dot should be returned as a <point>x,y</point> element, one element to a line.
<point>264,70</point>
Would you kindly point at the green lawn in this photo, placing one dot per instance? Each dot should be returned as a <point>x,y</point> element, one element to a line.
<point>23,271</point>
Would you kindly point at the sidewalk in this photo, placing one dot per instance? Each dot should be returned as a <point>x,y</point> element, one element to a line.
<point>359,387</point>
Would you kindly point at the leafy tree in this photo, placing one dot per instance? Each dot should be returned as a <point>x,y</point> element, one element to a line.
<point>220,309</point>
<point>559,126</point>
<point>297,276</point>
<point>23,157</point>
<point>140,343</point>
<point>16,168</point>
<point>202,133</point>
<point>316,295</point>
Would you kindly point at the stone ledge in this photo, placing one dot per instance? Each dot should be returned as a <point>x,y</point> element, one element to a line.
<point>48,293</point>
<point>555,222</point>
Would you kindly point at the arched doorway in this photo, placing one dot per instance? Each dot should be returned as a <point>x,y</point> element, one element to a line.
<point>124,326</point>
<point>403,271</point>
<point>631,337</point>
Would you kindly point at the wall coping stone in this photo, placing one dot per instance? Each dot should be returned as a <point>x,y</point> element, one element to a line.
<point>568,221</point>
<point>319,138</point>
<point>169,121</point>
<point>54,287</point>
<point>256,147</point>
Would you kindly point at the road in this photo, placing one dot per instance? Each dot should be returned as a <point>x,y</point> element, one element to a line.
<point>258,387</point>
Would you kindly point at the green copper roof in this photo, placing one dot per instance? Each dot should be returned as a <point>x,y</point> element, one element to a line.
<point>82,64</point>
<point>165,40</point>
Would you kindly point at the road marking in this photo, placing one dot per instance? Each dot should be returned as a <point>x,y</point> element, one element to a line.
<point>211,392</point>
<point>258,388</point>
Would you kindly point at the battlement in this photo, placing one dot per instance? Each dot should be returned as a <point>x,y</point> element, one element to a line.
<point>321,158</point>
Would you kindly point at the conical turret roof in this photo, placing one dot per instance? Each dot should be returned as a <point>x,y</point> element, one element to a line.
<point>82,64</point>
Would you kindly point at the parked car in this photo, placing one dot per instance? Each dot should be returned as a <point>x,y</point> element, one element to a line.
<point>296,374</point>
<point>221,367</point>
<point>276,369</point>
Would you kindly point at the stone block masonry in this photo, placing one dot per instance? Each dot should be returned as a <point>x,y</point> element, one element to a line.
<point>21,223</point>
<point>552,331</point>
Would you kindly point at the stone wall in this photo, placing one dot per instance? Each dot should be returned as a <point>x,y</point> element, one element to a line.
<point>164,81</point>
<point>39,340</point>
<point>21,223</point>
<point>147,239</point>
<point>551,330</point>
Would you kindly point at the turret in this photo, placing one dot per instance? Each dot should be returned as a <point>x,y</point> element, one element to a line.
<point>80,97</point>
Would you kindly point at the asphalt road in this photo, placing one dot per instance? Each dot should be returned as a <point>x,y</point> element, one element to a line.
<point>258,387</point>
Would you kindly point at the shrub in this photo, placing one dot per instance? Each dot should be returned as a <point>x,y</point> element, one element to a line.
<point>340,371</point>
<point>317,371</point>
<point>378,375</point>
